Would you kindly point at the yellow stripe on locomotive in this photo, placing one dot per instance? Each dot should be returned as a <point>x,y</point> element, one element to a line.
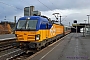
<point>39,35</point>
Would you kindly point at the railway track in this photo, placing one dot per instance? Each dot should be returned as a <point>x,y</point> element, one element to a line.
<point>24,55</point>
<point>5,48</point>
<point>10,53</point>
<point>6,44</point>
<point>21,56</point>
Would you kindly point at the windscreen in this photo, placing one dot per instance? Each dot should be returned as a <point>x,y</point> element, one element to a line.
<point>21,24</point>
<point>27,24</point>
<point>31,24</point>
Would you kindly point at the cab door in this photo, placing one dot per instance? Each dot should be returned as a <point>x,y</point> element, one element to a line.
<point>47,30</point>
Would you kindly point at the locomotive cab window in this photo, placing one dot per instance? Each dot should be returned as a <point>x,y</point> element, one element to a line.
<point>27,24</point>
<point>31,24</point>
<point>21,24</point>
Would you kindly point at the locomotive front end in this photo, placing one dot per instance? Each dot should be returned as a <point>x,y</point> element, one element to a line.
<point>26,34</point>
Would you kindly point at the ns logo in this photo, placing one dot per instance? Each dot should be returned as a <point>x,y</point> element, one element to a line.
<point>52,30</point>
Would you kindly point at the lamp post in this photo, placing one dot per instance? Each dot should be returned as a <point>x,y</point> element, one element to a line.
<point>85,27</point>
<point>60,19</point>
<point>88,18</point>
<point>69,24</point>
<point>15,20</point>
<point>5,21</point>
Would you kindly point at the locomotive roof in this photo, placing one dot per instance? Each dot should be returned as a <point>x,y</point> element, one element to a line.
<point>33,18</point>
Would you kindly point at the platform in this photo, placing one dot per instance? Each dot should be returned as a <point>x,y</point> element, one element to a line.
<point>7,37</point>
<point>72,47</point>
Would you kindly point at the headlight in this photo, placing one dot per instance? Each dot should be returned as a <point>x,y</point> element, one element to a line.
<point>37,37</point>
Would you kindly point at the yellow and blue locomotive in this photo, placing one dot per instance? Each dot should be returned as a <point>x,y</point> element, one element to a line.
<point>34,32</point>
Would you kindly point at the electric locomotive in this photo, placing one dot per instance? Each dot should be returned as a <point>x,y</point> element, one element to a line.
<point>34,32</point>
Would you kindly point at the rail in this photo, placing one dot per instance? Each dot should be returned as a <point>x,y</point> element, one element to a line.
<point>6,39</point>
<point>12,54</point>
<point>7,43</point>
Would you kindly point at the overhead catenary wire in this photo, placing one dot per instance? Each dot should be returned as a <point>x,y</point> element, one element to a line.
<point>51,9</point>
<point>10,5</point>
<point>54,5</point>
<point>22,9</point>
<point>60,11</point>
<point>63,19</point>
<point>45,5</point>
<point>24,1</point>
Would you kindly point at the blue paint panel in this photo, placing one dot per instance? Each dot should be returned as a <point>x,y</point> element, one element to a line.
<point>24,18</point>
<point>49,26</point>
<point>44,26</point>
<point>41,24</point>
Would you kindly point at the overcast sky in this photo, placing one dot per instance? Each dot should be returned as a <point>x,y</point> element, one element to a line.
<point>69,9</point>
